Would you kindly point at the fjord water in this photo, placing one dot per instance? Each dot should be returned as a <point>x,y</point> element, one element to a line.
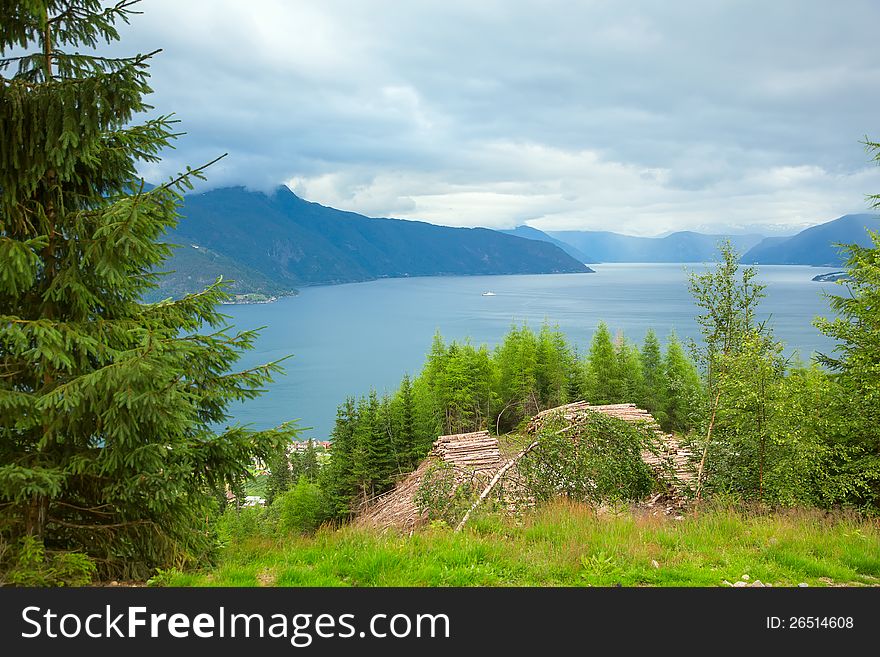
<point>346,338</point>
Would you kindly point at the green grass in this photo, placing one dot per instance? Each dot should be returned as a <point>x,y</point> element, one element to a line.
<point>567,545</point>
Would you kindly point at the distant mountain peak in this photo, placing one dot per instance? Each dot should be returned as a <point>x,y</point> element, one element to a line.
<point>815,245</point>
<point>282,240</point>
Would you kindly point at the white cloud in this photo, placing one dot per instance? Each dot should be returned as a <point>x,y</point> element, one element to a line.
<point>643,118</point>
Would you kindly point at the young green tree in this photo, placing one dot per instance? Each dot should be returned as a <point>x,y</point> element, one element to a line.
<point>338,479</point>
<point>279,474</point>
<point>404,410</point>
<point>377,465</point>
<point>682,390</point>
<point>603,367</point>
<point>856,357</point>
<point>516,363</point>
<point>108,406</point>
<point>749,400</point>
<point>629,368</point>
<point>652,372</point>
<point>310,462</point>
<point>555,367</point>
<point>728,297</point>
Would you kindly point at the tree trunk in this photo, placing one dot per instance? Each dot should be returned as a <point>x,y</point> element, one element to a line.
<point>706,447</point>
<point>37,516</point>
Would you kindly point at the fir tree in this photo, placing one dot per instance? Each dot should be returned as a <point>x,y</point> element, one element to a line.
<point>652,372</point>
<point>405,443</point>
<point>682,388</point>
<point>377,450</point>
<point>309,462</point>
<point>280,478</point>
<point>339,477</point>
<point>108,406</point>
<point>555,365</point>
<point>604,373</point>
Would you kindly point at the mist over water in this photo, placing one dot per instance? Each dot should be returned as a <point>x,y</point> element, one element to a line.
<point>347,338</point>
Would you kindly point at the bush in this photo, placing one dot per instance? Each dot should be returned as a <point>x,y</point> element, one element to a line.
<point>238,524</point>
<point>301,509</point>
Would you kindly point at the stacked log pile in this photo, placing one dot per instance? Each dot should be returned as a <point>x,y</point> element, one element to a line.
<point>474,457</point>
<point>478,451</point>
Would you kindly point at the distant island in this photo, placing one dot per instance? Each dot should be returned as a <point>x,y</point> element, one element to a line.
<point>831,277</point>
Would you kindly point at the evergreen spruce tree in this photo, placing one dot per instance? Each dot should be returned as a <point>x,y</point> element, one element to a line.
<point>309,462</point>
<point>629,368</point>
<point>604,375</point>
<point>652,372</point>
<point>855,361</point>
<point>338,479</point>
<point>108,406</point>
<point>682,390</point>
<point>295,459</point>
<point>377,448</point>
<point>406,446</point>
<point>280,478</point>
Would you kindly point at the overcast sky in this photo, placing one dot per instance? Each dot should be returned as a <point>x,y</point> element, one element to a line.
<point>638,117</point>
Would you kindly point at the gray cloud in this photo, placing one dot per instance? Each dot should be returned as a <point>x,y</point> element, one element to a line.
<point>644,117</point>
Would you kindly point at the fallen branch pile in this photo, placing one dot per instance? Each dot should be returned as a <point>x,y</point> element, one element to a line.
<point>670,461</point>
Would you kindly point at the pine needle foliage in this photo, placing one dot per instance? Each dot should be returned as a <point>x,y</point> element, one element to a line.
<point>109,407</point>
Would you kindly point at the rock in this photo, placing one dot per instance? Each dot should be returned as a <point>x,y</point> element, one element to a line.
<point>654,563</point>
<point>757,583</point>
<point>726,583</point>
<point>739,584</point>
<point>803,585</point>
<point>114,583</point>
<point>746,577</point>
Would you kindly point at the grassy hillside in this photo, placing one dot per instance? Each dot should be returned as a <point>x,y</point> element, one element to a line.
<point>565,545</point>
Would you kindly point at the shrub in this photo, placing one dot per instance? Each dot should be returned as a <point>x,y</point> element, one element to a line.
<point>237,524</point>
<point>301,509</point>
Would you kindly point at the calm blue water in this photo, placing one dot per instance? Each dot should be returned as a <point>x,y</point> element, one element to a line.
<point>347,338</point>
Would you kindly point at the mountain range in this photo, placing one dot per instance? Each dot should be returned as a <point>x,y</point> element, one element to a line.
<point>684,246</point>
<point>271,244</point>
<point>816,245</point>
<point>274,243</point>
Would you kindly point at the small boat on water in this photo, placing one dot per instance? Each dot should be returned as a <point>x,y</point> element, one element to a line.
<point>488,294</point>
